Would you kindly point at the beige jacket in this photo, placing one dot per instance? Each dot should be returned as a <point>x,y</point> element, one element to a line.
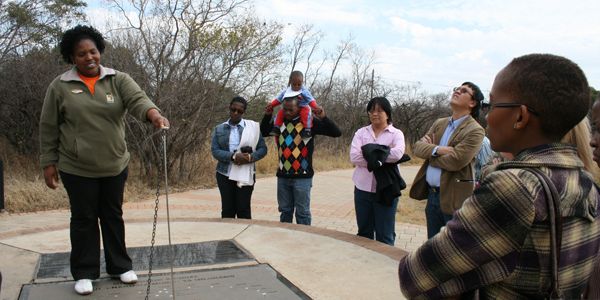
<point>466,140</point>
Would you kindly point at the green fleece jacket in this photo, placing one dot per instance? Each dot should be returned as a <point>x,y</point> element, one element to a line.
<point>84,134</point>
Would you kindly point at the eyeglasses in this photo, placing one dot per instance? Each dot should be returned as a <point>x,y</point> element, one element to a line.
<point>462,90</point>
<point>235,110</point>
<point>512,104</point>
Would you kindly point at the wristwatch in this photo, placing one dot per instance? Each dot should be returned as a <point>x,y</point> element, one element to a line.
<point>435,153</point>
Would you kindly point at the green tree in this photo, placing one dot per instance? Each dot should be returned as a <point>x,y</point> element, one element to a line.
<point>30,24</point>
<point>29,30</point>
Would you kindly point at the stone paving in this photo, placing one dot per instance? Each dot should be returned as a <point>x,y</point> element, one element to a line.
<point>332,208</point>
<point>195,217</point>
<point>332,205</point>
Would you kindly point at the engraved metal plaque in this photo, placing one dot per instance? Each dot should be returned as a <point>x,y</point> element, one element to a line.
<point>56,265</point>
<point>248,282</point>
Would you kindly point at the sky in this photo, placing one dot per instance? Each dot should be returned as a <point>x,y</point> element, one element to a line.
<point>441,44</point>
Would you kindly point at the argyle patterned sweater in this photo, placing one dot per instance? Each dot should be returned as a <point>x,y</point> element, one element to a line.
<point>295,153</point>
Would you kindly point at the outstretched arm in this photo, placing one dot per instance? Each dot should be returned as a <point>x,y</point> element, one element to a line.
<point>325,126</point>
<point>266,124</point>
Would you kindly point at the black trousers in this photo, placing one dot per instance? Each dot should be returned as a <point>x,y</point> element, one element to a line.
<point>235,201</point>
<point>92,199</point>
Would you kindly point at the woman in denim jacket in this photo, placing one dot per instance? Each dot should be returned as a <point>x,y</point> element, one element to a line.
<point>237,144</point>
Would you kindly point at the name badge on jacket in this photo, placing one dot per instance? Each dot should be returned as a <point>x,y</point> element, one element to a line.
<point>110,98</point>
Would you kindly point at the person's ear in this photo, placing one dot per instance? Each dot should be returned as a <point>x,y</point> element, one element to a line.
<point>523,118</point>
<point>472,104</point>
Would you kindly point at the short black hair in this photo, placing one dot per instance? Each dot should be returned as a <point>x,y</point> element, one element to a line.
<point>477,96</point>
<point>295,74</point>
<point>384,103</point>
<point>241,100</point>
<point>554,86</point>
<point>74,35</point>
<point>292,98</point>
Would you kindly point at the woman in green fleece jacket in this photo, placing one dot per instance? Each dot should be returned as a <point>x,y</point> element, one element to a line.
<point>82,138</point>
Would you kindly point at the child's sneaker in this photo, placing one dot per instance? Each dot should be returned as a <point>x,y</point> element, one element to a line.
<point>305,133</point>
<point>274,131</point>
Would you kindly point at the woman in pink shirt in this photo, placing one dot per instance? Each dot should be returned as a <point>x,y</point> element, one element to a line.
<point>375,216</point>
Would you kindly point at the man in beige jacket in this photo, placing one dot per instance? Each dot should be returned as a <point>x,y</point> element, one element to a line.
<point>446,177</point>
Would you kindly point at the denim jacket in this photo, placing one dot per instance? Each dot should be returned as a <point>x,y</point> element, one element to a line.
<point>220,147</point>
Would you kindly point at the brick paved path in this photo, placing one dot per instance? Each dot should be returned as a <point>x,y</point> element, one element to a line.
<point>332,205</point>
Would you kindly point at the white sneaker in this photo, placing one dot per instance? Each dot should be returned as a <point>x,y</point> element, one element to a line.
<point>84,287</point>
<point>128,277</point>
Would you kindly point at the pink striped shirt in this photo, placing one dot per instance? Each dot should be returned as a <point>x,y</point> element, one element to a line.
<point>391,137</point>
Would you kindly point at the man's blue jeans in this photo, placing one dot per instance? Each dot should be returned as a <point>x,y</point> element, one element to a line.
<point>375,220</point>
<point>436,219</point>
<point>294,194</point>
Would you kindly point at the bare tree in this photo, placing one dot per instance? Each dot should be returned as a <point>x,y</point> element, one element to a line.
<point>23,83</point>
<point>303,49</point>
<point>345,94</point>
<point>342,50</point>
<point>417,110</point>
<point>191,58</point>
<point>198,55</point>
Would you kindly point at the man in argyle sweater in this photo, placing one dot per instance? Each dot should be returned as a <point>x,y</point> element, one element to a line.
<point>295,172</point>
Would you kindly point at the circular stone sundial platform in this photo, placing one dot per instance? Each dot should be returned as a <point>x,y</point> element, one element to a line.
<point>213,259</point>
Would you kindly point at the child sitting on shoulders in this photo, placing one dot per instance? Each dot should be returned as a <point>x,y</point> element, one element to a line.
<point>305,101</point>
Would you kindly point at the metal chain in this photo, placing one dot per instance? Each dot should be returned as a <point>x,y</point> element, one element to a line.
<point>156,202</point>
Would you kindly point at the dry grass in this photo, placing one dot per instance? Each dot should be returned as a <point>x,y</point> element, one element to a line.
<point>323,160</point>
<point>410,210</point>
<point>27,195</point>
<point>24,186</point>
<point>25,190</point>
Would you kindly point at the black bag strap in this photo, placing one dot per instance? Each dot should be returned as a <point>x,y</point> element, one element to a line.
<point>555,217</point>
